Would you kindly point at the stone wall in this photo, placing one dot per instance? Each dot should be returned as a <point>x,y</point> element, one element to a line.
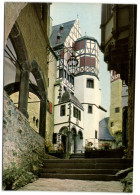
<point>36,42</point>
<point>32,29</point>
<point>23,148</point>
<point>52,66</point>
<point>116,117</point>
<point>33,109</point>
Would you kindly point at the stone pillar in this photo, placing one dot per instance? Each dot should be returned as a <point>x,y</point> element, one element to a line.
<point>42,121</point>
<point>69,142</point>
<point>75,144</point>
<point>24,92</point>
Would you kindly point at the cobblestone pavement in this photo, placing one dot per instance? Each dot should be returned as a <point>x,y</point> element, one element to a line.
<point>73,185</point>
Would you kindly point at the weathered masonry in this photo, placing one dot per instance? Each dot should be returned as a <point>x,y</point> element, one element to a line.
<point>28,113</point>
<point>118,43</point>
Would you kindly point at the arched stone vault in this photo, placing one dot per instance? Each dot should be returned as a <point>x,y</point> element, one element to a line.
<point>25,85</point>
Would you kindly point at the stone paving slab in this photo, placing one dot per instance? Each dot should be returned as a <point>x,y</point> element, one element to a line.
<point>73,185</point>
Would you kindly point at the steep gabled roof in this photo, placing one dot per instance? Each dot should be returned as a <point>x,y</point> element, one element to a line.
<point>56,29</point>
<point>104,133</point>
<point>67,96</point>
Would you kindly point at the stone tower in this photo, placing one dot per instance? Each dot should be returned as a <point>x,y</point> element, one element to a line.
<point>87,90</point>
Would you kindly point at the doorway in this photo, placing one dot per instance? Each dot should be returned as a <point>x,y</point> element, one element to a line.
<point>64,142</point>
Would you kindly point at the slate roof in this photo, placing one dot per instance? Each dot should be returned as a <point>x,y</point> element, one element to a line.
<point>67,96</point>
<point>104,133</point>
<point>56,29</point>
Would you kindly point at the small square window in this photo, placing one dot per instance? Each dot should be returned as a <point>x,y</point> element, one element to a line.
<point>62,110</point>
<point>117,109</point>
<point>90,83</point>
<point>89,109</point>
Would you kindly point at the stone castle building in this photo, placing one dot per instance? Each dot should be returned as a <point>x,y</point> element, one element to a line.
<point>45,93</point>
<point>118,107</point>
<point>77,104</point>
<point>51,87</point>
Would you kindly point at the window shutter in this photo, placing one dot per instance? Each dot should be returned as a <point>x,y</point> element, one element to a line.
<point>82,44</point>
<point>50,107</point>
<point>82,61</point>
<point>93,62</point>
<point>87,61</point>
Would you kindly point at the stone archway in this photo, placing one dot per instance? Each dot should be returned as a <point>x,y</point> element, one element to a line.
<point>64,137</point>
<point>24,86</point>
<point>22,63</point>
<point>14,87</point>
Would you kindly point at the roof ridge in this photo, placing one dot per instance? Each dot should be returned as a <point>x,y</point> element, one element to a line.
<point>64,23</point>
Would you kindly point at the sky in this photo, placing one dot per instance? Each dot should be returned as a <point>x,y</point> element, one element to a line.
<point>89,15</point>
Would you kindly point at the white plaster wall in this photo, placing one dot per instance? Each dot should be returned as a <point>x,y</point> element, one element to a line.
<point>91,123</point>
<point>89,96</point>
<point>57,117</point>
<point>62,119</point>
<point>84,94</point>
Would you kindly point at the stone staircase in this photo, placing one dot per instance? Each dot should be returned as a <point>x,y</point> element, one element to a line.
<point>78,155</point>
<point>99,169</point>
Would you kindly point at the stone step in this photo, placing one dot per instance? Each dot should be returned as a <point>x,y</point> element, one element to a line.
<point>94,161</point>
<point>77,156</point>
<point>99,169</point>
<point>96,177</point>
<point>80,171</point>
<point>87,165</point>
